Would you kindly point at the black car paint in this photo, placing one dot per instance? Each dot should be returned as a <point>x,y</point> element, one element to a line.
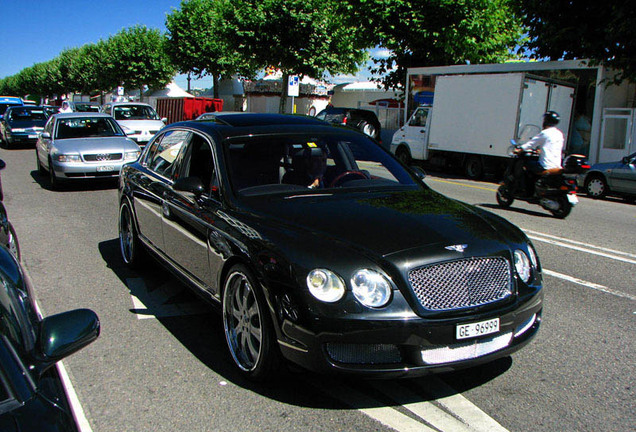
<point>279,237</point>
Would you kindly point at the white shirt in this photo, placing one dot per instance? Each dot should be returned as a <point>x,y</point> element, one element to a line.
<point>67,109</point>
<point>550,145</point>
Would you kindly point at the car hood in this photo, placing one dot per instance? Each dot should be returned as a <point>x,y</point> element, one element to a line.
<point>97,144</point>
<point>390,223</point>
<point>142,124</point>
<point>604,166</point>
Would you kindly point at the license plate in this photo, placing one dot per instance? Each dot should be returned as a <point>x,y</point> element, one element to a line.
<point>573,198</point>
<point>467,331</point>
<point>105,168</point>
<point>33,136</point>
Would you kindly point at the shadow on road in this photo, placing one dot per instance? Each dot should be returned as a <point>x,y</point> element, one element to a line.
<point>514,209</point>
<point>79,185</point>
<point>202,334</point>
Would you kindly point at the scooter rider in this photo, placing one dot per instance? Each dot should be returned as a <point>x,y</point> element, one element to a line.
<point>549,145</point>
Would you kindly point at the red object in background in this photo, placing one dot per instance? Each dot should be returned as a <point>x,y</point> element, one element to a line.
<point>181,109</point>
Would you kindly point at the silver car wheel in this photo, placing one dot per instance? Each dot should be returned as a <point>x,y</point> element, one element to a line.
<point>596,187</point>
<point>242,321</point>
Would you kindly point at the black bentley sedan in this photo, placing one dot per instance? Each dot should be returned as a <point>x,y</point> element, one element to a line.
<point>322,249</point>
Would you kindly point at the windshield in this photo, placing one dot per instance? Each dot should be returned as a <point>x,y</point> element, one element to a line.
<point>5,105</point>
<point>293,163</point>
<point>28,114</point>
<point>134,112</point>
<point>85,107</point>
<point>87,128</point>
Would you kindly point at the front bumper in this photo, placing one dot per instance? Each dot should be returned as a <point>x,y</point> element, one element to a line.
<point>23,137</point>
<point>86,170</point>
<point>409,346</point>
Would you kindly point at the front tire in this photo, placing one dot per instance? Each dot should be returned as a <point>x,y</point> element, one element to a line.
<point>40,168</point>
<point>248,330</point>
<point>403,155</point>
<point>53,180</point>
<point>504,197</point>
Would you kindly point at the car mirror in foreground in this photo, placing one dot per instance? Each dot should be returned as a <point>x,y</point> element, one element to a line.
<point>193,185</point>
<point>419,172</point>
<point>66,333</point>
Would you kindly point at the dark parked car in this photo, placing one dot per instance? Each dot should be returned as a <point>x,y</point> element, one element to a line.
<point>32,397</point>
<point>611,178</point>
<point>9,101</point>
<point>8,237</point>
<point>22,124</point>
<point>362,119</point>
<point>320,247</point>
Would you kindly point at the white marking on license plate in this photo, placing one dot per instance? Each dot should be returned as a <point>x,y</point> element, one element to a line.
<point>467,331</point>
<point>105,168</point>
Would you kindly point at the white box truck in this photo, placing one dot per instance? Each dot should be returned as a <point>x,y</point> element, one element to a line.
<point>473,117</point>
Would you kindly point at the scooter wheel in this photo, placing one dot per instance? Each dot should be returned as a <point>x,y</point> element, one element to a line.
<point>504,197</point>
<point>564,208</point>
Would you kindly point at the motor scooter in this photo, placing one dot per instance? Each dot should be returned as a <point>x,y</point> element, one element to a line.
<point>554,190</point>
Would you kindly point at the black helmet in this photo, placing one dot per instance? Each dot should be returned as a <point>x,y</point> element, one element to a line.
<point>551,118</point>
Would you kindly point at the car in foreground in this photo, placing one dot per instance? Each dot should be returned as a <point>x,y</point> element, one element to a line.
<point>77,146</point>
<point>140,121</point>
<point>321,248</point>
<point>22,124</point>
<point>32,394</point>
<point>361,119</point>
<point>611,178</point>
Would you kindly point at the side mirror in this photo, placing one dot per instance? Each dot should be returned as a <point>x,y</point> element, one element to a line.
<point>419,172</point>
<point>193,185</point>
<point>66,333</point>
<point>45,135</point>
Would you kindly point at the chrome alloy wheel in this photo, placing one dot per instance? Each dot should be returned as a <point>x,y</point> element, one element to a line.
<point>242,321</point>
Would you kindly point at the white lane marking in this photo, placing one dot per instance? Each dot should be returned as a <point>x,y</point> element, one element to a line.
<point>452,413</point>
<point>581,249</point>
<point>574,242</point>
<point>158,303</point>
<point>591,285</point>
<point>76,406</point>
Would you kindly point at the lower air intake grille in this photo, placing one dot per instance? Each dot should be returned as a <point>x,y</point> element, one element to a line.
<point>462,284</point>
<point>364,354</point>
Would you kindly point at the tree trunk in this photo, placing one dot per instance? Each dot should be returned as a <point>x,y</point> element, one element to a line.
<point>215,84</point>
<point>141,94</point>
<point>283,94</point>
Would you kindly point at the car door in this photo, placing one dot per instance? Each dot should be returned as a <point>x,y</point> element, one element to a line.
<point>43,143</point>
<point>188,219</point>
<point>154,182</point>
<point>415,132</point>
<point>623,177</point>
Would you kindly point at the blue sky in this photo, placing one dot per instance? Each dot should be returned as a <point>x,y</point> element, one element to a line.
<point>34,31</point>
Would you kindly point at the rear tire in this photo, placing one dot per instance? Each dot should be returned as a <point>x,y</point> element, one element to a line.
<point>504,197</point>
<point>564,208</point>
<point>474,168</point>
<point>596,187</point>
<point>369,129</point>
<point>130,246</point>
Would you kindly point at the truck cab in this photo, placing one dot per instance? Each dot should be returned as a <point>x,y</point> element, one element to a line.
<point>411,140</point>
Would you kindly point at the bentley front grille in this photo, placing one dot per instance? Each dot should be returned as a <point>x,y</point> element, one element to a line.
<point>462,284</point>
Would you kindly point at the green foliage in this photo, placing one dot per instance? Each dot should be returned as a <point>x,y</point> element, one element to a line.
<point>140,55</point>
<point>603,32</point>
<point>434,32</point>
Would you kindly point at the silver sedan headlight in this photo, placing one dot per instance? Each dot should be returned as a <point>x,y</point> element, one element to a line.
<point>371,288</point>
<point>522,265</point>
<point>67,158</point>
<point>325,285</point>
<point>131,155</point>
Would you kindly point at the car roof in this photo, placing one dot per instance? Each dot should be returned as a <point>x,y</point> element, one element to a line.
<point>127,103</point>
<point>81,114</point>
<point>228,124</point>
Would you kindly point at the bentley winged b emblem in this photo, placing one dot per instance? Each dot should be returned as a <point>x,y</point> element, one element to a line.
<point>457,248</point>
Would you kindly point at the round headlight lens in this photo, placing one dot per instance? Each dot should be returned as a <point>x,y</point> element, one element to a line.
<point>522,265</point>
<point>371,288</point>
<point>325,285</point>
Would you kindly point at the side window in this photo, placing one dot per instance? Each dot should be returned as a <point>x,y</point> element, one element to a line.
<point>200,162</point>
<point>419,118</point>
<point>164,151</point>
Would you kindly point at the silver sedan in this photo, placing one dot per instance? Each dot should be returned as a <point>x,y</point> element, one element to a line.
<point>77,146</point>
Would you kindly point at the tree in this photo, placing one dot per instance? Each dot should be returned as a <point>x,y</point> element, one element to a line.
<point>434,32</point>
<point>194,45</point>
<point>138,55</point>
<point>303,37</point>
<point>603,32</point>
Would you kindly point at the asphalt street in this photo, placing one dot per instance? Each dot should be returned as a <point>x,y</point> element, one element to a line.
<point>161,363</point>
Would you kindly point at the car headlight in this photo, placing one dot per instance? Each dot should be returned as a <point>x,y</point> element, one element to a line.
<point>325,285</point>
<point>67,158</point>
<point>522,265</point>
<point>14,130</point>
<point>533,257</point>
<point>371,288</point>
<point>131,155</point>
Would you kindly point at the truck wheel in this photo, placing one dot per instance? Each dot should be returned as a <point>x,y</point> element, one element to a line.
<point>474,168</point>
<point>403,155</point>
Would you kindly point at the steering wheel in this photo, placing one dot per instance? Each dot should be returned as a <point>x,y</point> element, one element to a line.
<point>340,178</point>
